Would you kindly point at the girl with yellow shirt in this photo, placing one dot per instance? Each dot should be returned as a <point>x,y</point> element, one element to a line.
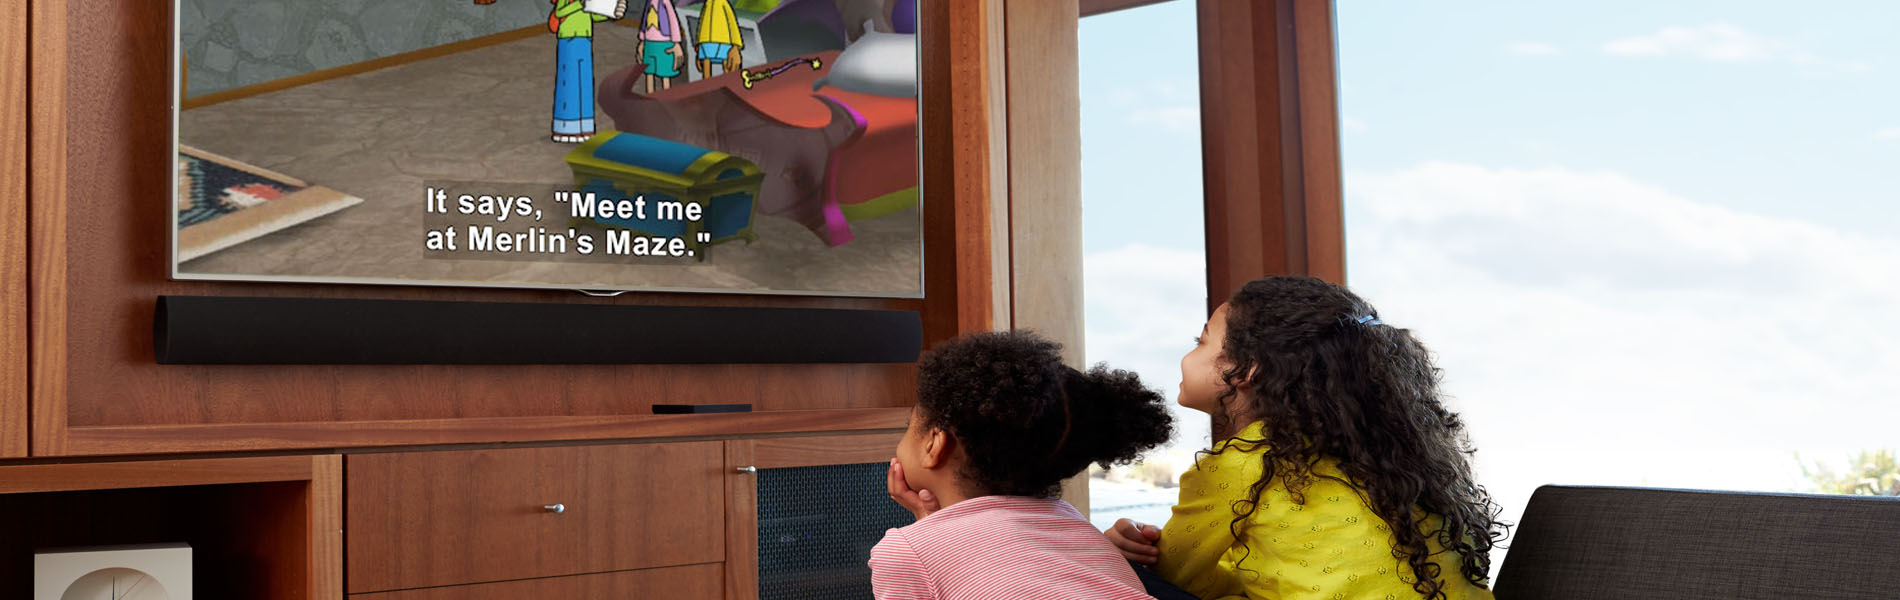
<point>1339,474</point>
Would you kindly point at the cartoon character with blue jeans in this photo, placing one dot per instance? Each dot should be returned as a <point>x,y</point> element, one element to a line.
<point>573,26</point>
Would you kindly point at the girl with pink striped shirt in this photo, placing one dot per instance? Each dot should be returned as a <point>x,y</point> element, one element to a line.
<point>999,423</point>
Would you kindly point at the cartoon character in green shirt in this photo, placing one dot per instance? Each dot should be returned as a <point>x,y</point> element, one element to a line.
<point>573,27</point>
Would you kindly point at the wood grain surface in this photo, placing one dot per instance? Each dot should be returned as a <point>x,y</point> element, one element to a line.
<point>261,527</point>
<point>13,243</point>
<point>99,258</point>
<point>27,479</point>
<point>425,519</point>
<point>692,582</point>
<point>1270,143</point>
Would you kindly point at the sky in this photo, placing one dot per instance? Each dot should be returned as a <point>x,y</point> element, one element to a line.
<point>1144,282</point>
<point>1650,244</point>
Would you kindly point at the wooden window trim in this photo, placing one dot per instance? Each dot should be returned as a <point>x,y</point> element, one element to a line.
<point>1270,142</point>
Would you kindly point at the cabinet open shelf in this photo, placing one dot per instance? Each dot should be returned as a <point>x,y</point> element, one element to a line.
<point>266,527</point>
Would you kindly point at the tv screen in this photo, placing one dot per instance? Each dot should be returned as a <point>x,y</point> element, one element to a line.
<point>733,146</point>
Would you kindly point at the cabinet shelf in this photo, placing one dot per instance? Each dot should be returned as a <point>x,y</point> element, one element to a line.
<point>265,527</point>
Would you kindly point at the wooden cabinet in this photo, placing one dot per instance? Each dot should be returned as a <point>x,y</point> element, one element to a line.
<point>424,519</point>
<point>755,458</point>
<point>79,168</point>
<point>693,582</point>
<point>258,527</point>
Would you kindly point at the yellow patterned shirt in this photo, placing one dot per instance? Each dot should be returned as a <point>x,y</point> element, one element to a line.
<point>1332,547</point>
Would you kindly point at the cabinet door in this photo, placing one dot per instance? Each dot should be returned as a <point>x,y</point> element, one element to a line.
<point>424,519</point>
<point>803,513</point>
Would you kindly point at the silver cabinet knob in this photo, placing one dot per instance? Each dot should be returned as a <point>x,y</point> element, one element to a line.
<point>555,508</point>
<point>749,469</point>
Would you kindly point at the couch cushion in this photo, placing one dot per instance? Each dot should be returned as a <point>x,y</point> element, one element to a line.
<point>1596,542</point>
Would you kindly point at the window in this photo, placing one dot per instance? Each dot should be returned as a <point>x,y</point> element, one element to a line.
<point>1144,287</point>
<point>1651,245</point>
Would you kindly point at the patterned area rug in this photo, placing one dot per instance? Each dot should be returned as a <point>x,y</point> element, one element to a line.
<point>223,202</point>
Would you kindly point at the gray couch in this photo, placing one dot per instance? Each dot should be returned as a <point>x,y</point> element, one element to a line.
<point>1601,543</point>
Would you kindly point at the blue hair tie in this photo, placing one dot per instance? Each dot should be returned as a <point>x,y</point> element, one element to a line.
<point>1369,320</point>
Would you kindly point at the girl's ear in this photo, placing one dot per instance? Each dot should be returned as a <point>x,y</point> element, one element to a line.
<point>936,448</point>
<point>1245,385</point>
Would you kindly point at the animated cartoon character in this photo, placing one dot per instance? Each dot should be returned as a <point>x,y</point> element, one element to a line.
<point>719,39</point>
<point>572,22</point>
<point>660,46</point>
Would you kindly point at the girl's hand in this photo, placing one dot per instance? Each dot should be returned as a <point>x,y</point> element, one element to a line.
<point>920,503</point>
<point>1135,540</point>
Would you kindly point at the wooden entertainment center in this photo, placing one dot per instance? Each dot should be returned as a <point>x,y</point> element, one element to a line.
<point>411,481</point>
<point>422,481</point>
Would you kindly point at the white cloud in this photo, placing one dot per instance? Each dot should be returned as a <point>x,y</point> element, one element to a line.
<point>1630,315</point>
<point>1167,91</point>
<point>1531,48</point>
<point>1723,42</point>
<point>1351,124</point>
<point>1171,106</point>
<point>1172,119</point>
<point>1717,41</point>
<point>1888,134</point>
<point>1144,306</point>
<point>1595,329</point>
<point>1592,328</point>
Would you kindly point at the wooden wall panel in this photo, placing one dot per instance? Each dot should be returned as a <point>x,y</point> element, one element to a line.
<point>13,190</point>
<point>964,72</point>
<point>1045,182</point>
<point>1045,175</point>
<point>100,167</point>
<point>46,237</point>
<point>1270,142</point>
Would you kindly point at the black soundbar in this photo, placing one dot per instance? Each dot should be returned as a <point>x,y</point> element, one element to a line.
<point>280,331</point>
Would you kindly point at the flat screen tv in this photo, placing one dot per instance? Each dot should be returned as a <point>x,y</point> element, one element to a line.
<point>731,146</point>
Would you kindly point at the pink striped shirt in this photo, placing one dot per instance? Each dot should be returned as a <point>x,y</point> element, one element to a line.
<point>997,547</point>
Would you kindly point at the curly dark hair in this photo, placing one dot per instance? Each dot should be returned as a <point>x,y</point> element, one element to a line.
<point>1026,421</point>
<point>1330,380</point>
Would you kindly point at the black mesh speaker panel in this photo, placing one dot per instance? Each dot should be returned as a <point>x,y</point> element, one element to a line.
<point>816,529</point>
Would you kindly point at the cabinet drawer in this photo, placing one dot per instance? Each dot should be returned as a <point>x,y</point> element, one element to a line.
<point>421,519</point>
<point>696,582</point>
